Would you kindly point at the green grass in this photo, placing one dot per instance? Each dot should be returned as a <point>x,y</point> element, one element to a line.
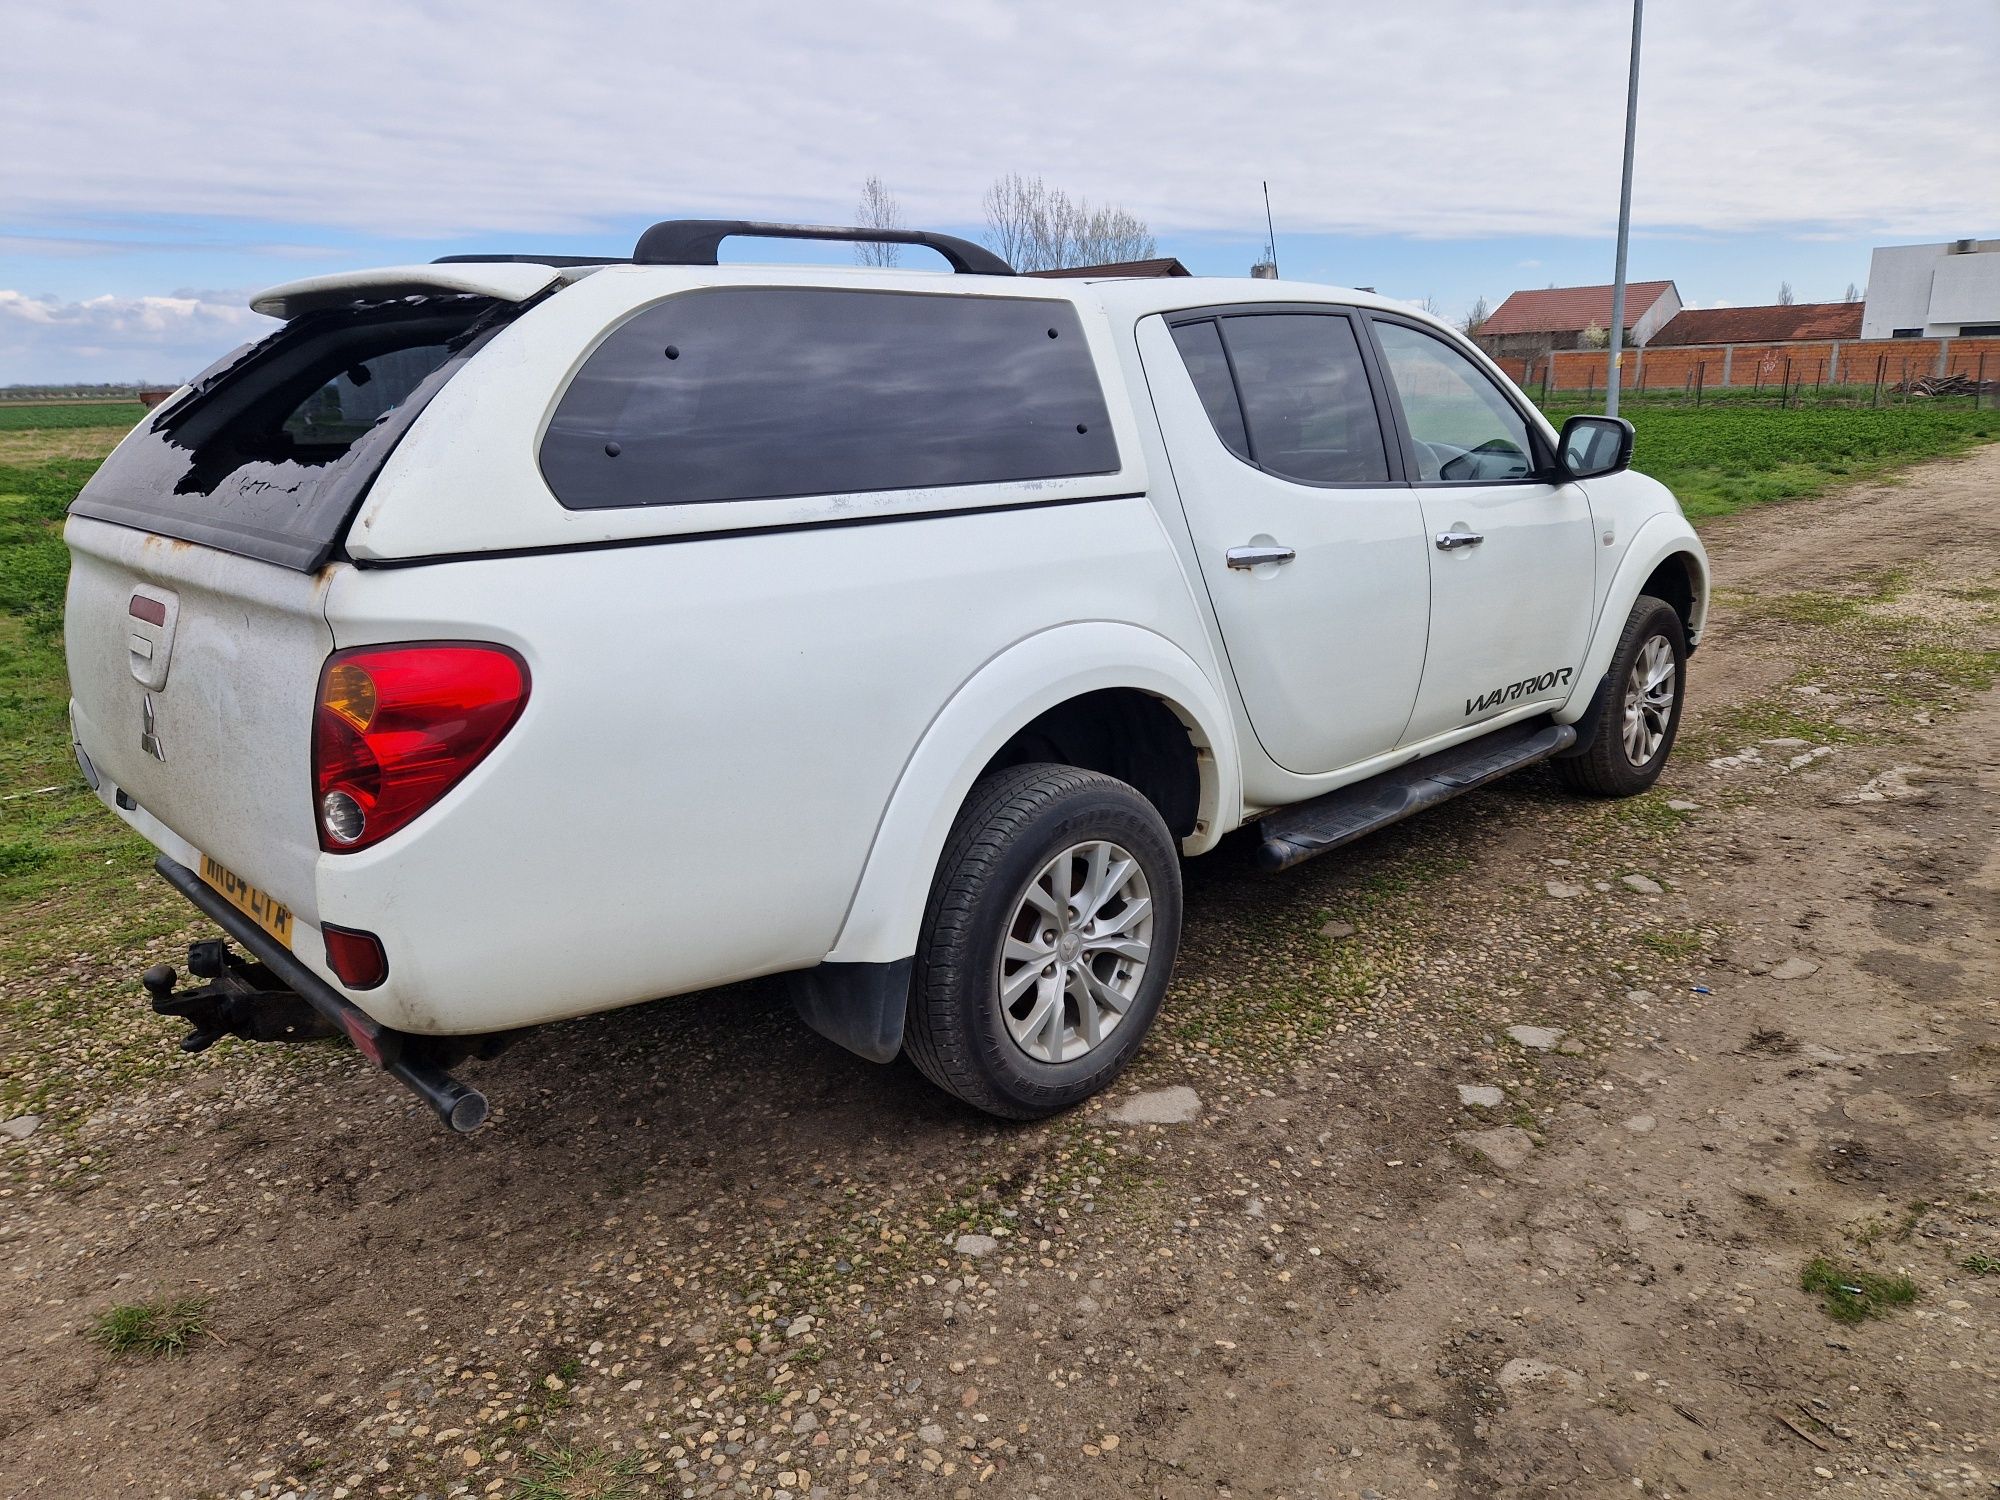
<point>47,837</point>
<point>1678,944</point>
<point>569,1474</point>
<point>1982,1265</point>
<point>166,1327</point>
<point>41,415</point>
<point>1723,456</point>
<point>1852,1295</point>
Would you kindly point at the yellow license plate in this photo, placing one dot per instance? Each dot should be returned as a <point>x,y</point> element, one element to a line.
<point>271,915</point>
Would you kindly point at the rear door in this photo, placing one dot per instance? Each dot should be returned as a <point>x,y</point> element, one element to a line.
<point>1311,547</point>
<point>1512,555</point>
<point>195,625</point>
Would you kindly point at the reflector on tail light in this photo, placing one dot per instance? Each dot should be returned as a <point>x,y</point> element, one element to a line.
<point>397,727</point>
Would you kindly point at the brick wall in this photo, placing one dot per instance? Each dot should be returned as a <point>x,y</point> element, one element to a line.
<point>1837,362</point>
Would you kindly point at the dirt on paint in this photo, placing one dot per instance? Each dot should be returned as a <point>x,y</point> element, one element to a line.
<point>1399,1250</point>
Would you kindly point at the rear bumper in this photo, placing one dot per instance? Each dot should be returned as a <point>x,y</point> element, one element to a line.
<point>405,1058</point>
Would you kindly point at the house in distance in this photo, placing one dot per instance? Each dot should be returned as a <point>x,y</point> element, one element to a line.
<point>1533,323</point>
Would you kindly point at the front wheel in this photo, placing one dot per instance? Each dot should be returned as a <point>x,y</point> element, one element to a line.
<point>1636,729</point>
<point>1048,941</point>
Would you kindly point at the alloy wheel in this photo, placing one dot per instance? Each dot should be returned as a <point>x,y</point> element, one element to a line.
<point>1075,951</point>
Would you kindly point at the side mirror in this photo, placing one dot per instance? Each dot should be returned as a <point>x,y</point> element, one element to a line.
<point>1592,446</point>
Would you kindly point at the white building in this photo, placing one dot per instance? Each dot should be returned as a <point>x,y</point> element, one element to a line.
<point>1933,291</point>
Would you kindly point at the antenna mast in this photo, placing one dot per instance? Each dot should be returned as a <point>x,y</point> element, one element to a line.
<point>1270,234</point>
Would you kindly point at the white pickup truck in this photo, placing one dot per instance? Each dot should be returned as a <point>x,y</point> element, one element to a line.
<point>514,637</point>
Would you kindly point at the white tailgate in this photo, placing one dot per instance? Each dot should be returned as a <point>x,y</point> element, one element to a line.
<point>221,665</point>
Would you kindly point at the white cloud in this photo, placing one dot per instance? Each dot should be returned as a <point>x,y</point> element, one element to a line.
<point>120,338</point>
<point>515,118</point>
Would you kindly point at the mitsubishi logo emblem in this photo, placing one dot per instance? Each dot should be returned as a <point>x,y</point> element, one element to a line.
<point>149,739</point>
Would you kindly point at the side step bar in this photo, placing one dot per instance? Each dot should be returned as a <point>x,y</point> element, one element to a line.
<point>1294,834</point>
<point>399,1055</point>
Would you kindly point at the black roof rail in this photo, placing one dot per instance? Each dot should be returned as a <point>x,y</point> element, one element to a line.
<point>535,260</point>
<point>694,242</point>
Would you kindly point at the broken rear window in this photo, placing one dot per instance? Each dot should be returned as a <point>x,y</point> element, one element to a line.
<point>272,450</point>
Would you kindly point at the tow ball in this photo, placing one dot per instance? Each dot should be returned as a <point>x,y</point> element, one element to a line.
<point>242,999</point>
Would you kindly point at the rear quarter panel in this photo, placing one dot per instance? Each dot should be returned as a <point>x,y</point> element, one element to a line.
<point>715,729</point>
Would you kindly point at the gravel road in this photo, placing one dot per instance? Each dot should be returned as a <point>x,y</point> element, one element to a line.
<point>1495,1149</point>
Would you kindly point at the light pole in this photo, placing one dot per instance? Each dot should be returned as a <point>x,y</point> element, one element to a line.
<point>1624,221</point>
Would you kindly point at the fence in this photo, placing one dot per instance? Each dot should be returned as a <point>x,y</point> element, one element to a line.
<point>1783,369</point>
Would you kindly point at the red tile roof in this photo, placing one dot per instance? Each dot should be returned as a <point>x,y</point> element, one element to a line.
<point>1762,325</point>
<point>1570,309</point>
<point>1165,265</point>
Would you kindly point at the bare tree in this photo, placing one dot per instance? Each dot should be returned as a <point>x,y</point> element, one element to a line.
<point>1035,227</point>
<point>1852,294</point>
<point>1476,316</point>
<point>877,210</point>
<point>1430,305</point>
<point>1785,298</point>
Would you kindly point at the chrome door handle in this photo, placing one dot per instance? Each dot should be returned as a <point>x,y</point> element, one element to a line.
<point>1256,557</point>
<point>1447,540</point>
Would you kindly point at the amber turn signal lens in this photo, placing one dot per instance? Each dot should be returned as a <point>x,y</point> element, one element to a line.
<point>350,692</point>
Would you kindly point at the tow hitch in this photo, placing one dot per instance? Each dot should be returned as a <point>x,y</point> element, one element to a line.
<point>241,999</point>
<point>272,997</point>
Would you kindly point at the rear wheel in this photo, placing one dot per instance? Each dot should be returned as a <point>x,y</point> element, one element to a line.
<point>1048,941</point>
<point>1635,732</point>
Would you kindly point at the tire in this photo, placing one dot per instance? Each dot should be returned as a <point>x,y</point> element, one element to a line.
<point>1619,759</point>
<point>982,928</point>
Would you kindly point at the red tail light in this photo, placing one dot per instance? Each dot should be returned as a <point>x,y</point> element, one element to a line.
<point>399,726</point>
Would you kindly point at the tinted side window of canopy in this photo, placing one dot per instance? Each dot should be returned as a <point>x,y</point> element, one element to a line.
<point>739,393</point>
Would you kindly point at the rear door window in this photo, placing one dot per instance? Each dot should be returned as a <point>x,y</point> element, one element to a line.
<point>1289,392</point>
<point>742,393</point>
<point>1306,401</point>
<point>272,450</point>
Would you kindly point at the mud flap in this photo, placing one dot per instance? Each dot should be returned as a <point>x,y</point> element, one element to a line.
<point>859,1006</point>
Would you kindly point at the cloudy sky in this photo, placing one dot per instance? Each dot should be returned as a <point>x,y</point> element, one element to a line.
<point>163,160</point>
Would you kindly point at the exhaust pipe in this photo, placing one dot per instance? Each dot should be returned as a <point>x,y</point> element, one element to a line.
<point>458,1104</point>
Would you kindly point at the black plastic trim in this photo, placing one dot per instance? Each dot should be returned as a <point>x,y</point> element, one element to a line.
<point>833,523</point>
<point>859,1006</point>
<point>696,242</point>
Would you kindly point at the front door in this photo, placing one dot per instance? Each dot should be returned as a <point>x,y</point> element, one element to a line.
<point>1313,551</point>
<point>1513,557</point>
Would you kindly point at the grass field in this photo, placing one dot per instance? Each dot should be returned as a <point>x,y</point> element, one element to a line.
<point>1723,455</point>
<point>45,416</point>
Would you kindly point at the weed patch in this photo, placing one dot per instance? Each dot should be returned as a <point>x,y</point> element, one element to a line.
<point>1852,1295</point>
<point>165,1327</point>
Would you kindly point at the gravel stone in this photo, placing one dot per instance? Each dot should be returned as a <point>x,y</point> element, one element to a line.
<point>1795,968</point>
<point>21,1126</point>
<point>975,1246</point>
<point>1682,804</point>
<point>1536,1038</point>
<point>1640,1124</point>
<point>1505,1147</point>
<point>1562,890</point>
<point>1176,1105</point>
<point>1483,1095</point>
<point>1337,930</point>
<point>1645,885</point>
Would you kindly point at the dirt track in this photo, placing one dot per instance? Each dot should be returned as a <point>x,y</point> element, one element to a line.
<point>700,1251</point>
